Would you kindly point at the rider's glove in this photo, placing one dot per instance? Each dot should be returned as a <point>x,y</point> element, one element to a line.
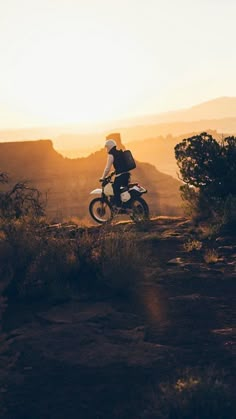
<point>101,180</point>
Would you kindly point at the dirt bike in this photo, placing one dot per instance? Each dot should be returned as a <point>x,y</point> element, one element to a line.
<point>103,209</point>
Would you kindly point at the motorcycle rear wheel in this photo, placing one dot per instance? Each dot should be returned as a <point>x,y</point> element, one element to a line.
<point>140,210</point>
<point>100,210</point>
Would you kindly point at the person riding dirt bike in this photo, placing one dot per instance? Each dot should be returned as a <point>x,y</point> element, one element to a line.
<point>122,177</point>
<point>118,196</point>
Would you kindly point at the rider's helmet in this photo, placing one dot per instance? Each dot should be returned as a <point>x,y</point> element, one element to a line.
<point>109,144</point>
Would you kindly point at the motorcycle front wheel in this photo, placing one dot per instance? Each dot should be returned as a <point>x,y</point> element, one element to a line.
<point>140,210</point>
<point>100,210</point>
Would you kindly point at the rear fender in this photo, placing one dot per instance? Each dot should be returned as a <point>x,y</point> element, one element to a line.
<point>137,191</point>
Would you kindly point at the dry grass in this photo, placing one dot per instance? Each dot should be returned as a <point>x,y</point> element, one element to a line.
<point>45,263</point>
<point>209,231</point>
<point>122,261</point>
<point>42,264</point>
<point>192,245</point>
<point>211,256</point>
<point>193,394</point>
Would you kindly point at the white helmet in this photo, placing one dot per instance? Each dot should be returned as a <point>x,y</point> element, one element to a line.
<point>109,144</point>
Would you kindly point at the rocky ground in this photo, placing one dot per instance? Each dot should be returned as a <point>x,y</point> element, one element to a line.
<point>105,358</point>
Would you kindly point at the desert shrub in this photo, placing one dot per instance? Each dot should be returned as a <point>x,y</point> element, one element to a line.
<point>211,256</point>
<point>39,262</point>
<point>195,395</point>
<point>43,264</point>
<point>122,261</point>
<point>192,245</point>
<point>20,199</point>
<point>52,269</point>
<point>209,231</point>
<point>208,171</point>
<point>190,197</point>
<point>200,205</point>
<point>88,253</point>
<point>19,247</point>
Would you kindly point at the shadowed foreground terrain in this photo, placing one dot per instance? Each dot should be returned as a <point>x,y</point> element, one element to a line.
<point>166,349</point>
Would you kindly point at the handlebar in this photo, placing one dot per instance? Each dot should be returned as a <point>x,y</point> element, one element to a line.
<point>107,178</point>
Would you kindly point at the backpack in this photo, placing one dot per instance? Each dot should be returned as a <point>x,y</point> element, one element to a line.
<point>128,162</point>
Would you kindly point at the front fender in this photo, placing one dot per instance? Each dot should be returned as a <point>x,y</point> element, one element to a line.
<point>97,191</point>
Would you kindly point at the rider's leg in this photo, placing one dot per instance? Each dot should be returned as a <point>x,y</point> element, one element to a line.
<point>119,181</point>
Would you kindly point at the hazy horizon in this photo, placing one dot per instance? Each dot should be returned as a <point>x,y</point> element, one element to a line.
<point>139,119</point>
<point>88,62</point>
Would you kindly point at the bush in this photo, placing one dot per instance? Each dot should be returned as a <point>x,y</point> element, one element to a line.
<point>211,256</point>
<point>20,200</point>
<point>40,263</point>
<point>37,262</point>
<point>192,245</point>
<point>208,170</point>
<point>195,395</point>
<point>121,262</point>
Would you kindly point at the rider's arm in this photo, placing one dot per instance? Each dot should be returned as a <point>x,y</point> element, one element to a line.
<point>110,161</point>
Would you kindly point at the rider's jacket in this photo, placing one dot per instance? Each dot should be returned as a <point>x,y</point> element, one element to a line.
<point>118,160</point>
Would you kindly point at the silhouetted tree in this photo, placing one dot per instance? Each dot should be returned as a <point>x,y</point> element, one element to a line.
<point>208,170</point>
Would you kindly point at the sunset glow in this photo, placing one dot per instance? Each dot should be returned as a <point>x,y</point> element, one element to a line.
<point>87,61</point>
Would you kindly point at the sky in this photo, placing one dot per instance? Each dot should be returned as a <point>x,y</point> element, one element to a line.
<point>89,61</point>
